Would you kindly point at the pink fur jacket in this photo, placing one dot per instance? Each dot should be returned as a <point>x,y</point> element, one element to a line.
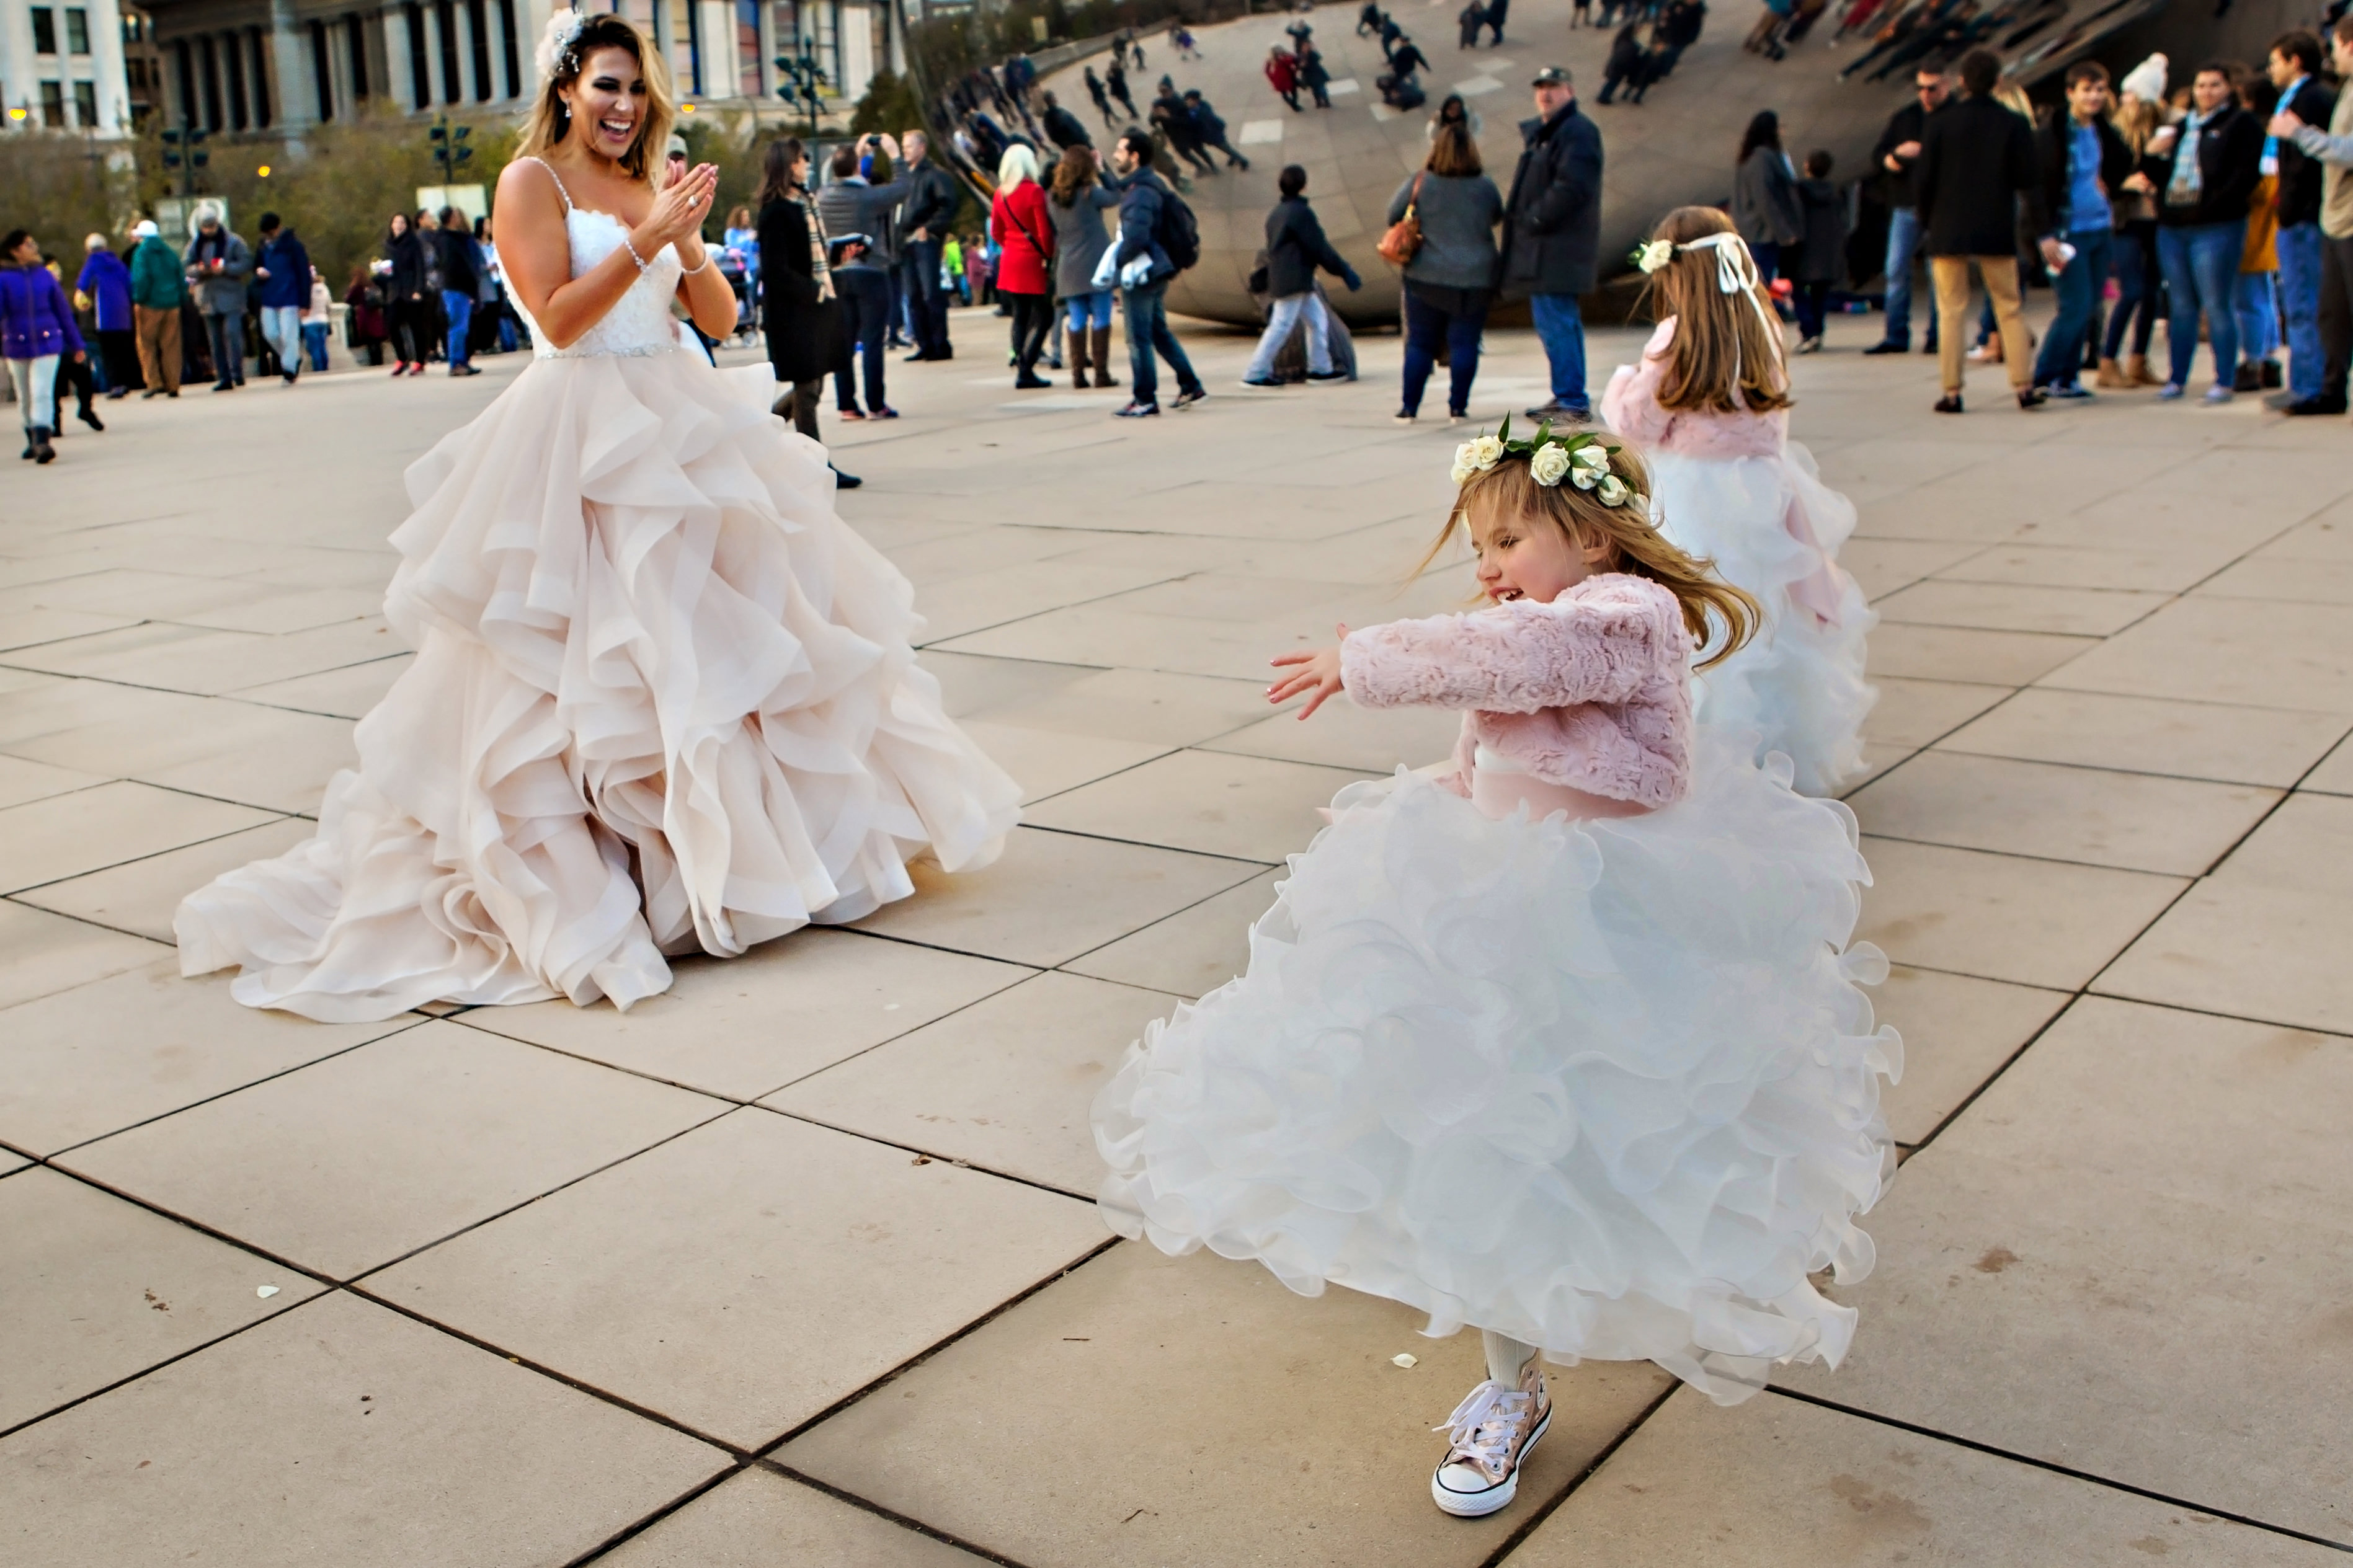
<point>1592,692</point>
<point>1631,407</point>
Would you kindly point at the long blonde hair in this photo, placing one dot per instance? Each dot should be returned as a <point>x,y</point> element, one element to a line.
<point>550,121</point>
<point>1632,541</point>
<point>1724,358</point>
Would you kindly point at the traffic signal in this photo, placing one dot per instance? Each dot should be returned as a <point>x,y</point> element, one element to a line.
<point>186,145</point>
<point>449,149</point>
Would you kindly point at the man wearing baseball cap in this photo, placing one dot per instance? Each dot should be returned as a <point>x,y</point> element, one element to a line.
<point>1552,234</point>
<point>158,289</point>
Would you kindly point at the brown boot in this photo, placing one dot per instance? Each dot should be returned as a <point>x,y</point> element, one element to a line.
<point>2110,377</point>
<point>1100,339</point>
<point>1078,342</point>
<point>2137,372</point>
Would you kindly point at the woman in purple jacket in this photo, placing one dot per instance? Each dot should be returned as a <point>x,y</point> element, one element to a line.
<point>107,280</point>
<point>36,325</point>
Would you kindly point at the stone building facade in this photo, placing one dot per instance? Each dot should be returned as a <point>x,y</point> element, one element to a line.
<point>63,65</point>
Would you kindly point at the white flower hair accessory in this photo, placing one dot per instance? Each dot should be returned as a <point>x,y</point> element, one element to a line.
<point>556,43</point>
<point>1582,458</point>
<point>1651,255</point>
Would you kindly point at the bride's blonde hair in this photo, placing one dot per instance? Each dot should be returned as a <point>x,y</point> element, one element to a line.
<point>1632,544</point>
<point>550,121</point>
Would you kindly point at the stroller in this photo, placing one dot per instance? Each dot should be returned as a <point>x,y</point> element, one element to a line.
<point>736,268</point>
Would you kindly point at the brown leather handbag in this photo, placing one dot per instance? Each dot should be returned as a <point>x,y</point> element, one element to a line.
<point>1402,242</point>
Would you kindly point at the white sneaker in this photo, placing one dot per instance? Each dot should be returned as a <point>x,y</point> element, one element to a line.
<point>1488,1435</point>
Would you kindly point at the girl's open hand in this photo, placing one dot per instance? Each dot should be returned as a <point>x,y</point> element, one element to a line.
<point>1316,671</point>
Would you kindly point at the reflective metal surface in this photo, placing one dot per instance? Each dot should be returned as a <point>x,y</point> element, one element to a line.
<point>985,75</point>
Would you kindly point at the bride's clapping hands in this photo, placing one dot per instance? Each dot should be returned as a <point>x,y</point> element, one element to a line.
<point>680,206</point>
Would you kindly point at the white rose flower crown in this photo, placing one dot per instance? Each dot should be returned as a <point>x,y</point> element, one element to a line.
<point>1582,458</point>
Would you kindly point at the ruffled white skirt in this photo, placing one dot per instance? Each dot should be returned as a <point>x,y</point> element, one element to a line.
<point>1772,527</point>
<point>664,700</point>
<point>1606,1087</point>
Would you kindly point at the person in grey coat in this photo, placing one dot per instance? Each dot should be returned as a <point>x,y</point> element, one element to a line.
<point>1296,248</point>
<point>1075,207</point>
<point>1765,204</point>
<point>1451,279</point>
<point>218,263</point>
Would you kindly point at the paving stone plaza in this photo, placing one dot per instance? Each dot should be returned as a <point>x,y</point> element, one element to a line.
<point>799,1264</point>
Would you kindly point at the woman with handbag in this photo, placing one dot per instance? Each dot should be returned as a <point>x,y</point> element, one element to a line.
<point>1442,233</point>
<point>797,308</point>
<point>1018,221</point>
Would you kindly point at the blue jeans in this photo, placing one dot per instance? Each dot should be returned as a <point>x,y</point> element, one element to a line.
<point>1078,310</point>
<point>2201,273</point>
<point>281,329</point>
<point>314,338</point>
<point>1147,331</point>
<point>1280,322</point>
<point>2078,286</point>
<point>1903,247</point>
<point>1562,332</point>
<point>2137,289</point>
<point>2259,323</point>
<point>459,309</point>
<point>2299,298</point>
<point>1425,326</point>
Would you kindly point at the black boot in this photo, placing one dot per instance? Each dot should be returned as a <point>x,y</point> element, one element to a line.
<point>42,451</point>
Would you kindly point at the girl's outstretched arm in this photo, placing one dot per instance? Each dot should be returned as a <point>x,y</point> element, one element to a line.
<point>1601,641</point>
<point>1312,670</point>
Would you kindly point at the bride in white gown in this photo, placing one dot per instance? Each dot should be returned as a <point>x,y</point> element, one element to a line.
<point>664,700</point>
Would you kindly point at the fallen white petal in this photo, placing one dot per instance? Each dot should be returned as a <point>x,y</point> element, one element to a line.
<point>1404,1359</point>
<point>265,1291</point>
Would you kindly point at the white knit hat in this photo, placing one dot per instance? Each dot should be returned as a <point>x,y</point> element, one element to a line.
<point>2146,80</point>
<point>146,228</point>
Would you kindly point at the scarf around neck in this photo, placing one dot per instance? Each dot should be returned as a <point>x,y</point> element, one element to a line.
<point>818,271</point>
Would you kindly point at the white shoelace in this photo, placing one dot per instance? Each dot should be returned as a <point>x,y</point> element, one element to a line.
<point>1483,1425</point>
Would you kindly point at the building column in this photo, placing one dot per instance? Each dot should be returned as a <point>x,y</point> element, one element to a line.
<point>19,85</point>
<point>107,63</point>
<point>854,25</point>
<point>399,60</point>
<point>297,80</point>
<point>531,26</point>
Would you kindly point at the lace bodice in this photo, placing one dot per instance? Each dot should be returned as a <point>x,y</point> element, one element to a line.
<point>639,321</point>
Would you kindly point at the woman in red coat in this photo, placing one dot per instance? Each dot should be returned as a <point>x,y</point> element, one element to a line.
<point>1025,269</point>
<point>1282,70</point>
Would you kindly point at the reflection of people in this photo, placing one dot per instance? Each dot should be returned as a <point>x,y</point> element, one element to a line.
<point>1062,127</point>
<point>539,810</point>
<point>1115,81</point>
<point>1102,99</point>
<point>1210,130</point>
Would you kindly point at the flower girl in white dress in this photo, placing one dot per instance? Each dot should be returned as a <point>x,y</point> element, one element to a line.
<point>1566,1044</point>
<point>1710,405</point>
<point>664,700</point>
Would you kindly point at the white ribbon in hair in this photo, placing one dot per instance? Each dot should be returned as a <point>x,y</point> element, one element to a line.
<point>1736,273</point>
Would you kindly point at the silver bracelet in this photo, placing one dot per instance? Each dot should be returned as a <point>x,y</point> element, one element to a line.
<point>633,253</point>
<point>692,270</point>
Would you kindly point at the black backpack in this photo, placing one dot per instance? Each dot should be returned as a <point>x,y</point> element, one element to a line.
<point>1180,232</point>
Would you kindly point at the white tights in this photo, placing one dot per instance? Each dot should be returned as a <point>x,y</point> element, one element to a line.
<point>1507,1358</point>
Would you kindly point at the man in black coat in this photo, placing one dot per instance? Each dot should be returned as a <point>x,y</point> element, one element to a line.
<point>462,279</point>
<point>1897,158</point>
<point>2295,68</point>
<point>1296,248</point>
<point>1062,127</point>
<point>1976,160</point>
<point>1496,11</point>
<point>1552,234</point>
<point>1211,129</point>
<point>923,220</point>
<point>2202,173</point>
<point>2084,164</point>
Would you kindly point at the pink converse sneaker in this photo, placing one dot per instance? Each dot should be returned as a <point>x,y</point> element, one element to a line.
<point>1488,1435</point>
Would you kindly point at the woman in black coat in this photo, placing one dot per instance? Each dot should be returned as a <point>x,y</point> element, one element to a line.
<point>797,308</point>
<point>405,296</point>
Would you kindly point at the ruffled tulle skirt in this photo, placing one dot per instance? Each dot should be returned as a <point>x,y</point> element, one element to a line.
<point>1607,1086</point>
<point>1772,527</point>
<point>664,702</point>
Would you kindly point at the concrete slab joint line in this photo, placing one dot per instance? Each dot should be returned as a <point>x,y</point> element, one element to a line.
<point>783,1264</point>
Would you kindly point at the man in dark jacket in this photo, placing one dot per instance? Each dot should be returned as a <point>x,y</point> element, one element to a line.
<point>1295,247</point>
<point>1173,120</point>
<point>1143,217</point>
<point>1062,127</point>
<point>282,277</point>
<point>1552,234</point>
<point>1496,11</point>
<point>1897,158</point>
<point>2084,161</point>
<point>924,220</point>
<point>1976,159</point>
<point>2295,68</point>
<point>218,263</point>
<point>462,281</point>
<point>2203,172</point>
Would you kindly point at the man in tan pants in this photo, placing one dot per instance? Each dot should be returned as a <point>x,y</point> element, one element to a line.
<point>159,286</point>
<point>1977,161</point>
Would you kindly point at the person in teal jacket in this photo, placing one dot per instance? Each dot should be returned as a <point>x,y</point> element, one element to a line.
<point>159,286</point>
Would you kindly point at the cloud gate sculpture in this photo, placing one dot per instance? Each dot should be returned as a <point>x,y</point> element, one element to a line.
<point>983,73</point>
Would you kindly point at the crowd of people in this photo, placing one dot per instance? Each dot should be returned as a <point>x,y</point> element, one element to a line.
<point>2224,202</point>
